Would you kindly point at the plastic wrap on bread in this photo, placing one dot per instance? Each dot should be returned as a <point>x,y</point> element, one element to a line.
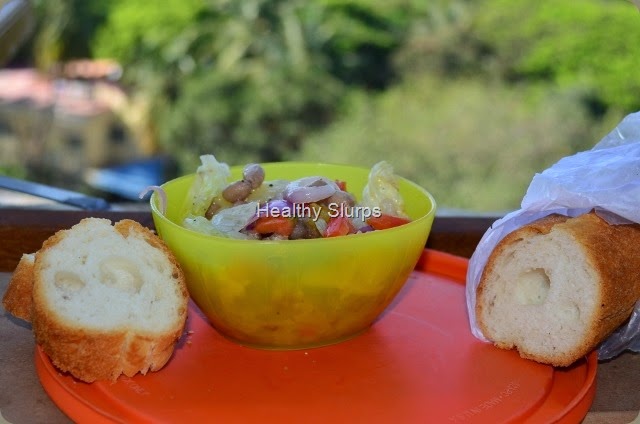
<point>605,179</point>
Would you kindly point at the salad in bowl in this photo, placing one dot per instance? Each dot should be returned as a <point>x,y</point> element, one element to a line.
<point>256,207</point>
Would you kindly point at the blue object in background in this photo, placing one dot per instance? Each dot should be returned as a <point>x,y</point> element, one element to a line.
<point>128,180</point>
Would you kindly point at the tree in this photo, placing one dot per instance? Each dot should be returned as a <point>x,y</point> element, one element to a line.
<point>64,30</point>
<point>251,79</point>
<point>589,45</point>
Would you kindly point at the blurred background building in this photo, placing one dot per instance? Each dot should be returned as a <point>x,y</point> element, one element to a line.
<point>72,125</point>
<point>66,128</point>
<point>62,123</point>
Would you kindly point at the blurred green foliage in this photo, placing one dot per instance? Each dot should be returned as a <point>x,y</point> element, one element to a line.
<point>469,98</point>
<point>247,80</point>
<point>590,44</point>
<point>64,30</point>
<point>14,171</point>
<point>474,145</point>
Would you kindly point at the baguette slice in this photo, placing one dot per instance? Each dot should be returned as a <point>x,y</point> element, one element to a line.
<point>103,300</point>
<point>556,288</point>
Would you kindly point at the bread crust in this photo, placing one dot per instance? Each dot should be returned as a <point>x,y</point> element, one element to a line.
<point>17,298</point>
<point>90,354</point>
<point>611,251</point>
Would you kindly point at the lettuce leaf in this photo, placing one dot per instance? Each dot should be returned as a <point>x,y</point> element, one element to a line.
<point>226,223</point>
<point>211,179</point>
<point>382,191</point>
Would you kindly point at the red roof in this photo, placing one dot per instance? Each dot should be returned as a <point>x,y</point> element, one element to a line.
<point>70,96</point>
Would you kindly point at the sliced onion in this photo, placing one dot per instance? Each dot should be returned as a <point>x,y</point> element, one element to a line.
<point>279,205</point>
<point>309,189</point>
<point>365,229</point>
<point>161,193</point>
<point>321,225</point>
<point>235,218</point>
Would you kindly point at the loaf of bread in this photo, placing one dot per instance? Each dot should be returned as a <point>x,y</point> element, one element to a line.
<point>556,288</point>
<point>103,300</point>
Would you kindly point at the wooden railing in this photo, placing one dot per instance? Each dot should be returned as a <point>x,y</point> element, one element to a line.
<point>22,230</point>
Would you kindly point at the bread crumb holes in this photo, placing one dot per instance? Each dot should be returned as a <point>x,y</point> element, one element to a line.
<point>68,281</point>
<point>532,287</point>
<point>120,273</point>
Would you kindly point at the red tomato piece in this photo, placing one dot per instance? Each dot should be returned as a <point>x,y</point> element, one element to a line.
<point>339,226</point>
<point>342,185</point>
<point>384,221</point>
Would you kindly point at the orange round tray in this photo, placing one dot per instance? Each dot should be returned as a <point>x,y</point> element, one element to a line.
<point>418,363</point>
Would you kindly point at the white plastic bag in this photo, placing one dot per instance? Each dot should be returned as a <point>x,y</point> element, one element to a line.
<point>605,178</point>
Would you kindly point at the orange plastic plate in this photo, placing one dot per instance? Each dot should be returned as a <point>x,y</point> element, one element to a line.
<point>418,363</point>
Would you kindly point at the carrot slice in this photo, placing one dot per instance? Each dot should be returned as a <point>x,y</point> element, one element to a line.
<point>274,224</point>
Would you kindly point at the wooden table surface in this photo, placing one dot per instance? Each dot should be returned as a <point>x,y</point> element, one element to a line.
<point>23,400</point>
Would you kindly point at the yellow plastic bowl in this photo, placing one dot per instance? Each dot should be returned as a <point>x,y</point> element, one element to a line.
<point>296,294</point>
